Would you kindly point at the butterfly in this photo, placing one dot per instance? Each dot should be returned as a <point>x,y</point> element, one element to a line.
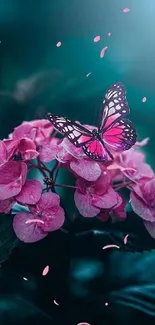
<point>114,133</point>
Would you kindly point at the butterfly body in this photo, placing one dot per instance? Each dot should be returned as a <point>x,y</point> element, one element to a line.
<point>115,133</point>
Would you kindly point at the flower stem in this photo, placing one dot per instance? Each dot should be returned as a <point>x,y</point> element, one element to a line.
<point>67,186</point>
<point>119,186</point>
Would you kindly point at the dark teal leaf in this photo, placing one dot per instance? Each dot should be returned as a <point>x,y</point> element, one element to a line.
<point>8,239</point>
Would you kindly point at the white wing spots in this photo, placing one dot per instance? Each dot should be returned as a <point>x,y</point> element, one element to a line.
<point>111,111</point>
<point>60,124</point>
<point>118,107</point>
<point>76,133</point>
<point>111,104</point>
<point>66,128</point>
<point>70,128</point>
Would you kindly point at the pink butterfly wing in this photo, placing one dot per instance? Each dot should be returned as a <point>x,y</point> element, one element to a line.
<point>76,133</point>
<point>114,105</point>
<point>96,150</point>
<point>120,136</point>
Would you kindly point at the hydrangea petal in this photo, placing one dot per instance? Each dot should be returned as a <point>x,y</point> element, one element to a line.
<point>3,153</point>
<point>6,205</point>
<point>84,205</point>
<point>150,226</point>
<point>87,169</point>
<point>12,178</point>
<point>28,233</point>
<point>107,200</point>
<point>30,193</point>
<point>54,221</point>
<point>47,202</point>
<point>141,208</point>
<point>119,213</point>
<point>25,130</point>
<point>48,152</point>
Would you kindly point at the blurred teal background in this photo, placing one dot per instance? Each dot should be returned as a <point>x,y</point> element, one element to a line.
<point>36,76</point>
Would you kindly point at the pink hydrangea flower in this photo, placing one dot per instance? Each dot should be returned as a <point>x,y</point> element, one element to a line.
<point>118,213</point>
<point>3,153</point>
<point>80,164</point>
<point>91,197</point>
<point>12,178</point>
<point>133,166</point>
<point>6,205</point>
<point>13,183</point>
<point>143,199</point>
<point>47,210</point>
<point>43,130</point>
<point>21,142</point>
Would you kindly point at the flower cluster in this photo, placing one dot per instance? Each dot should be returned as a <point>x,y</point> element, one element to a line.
<point>33,145</point>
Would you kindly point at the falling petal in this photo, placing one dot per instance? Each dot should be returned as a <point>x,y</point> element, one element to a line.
<point>125,239</point>
<point>126,10</point>
<point>83,323</point>
<point>88,74</point>
<point>96,39</point>
<point>55,302</point>
<point>110,246</point>
<point>25,278</point>
<point>58,44</point>
<point>34,220</point>
<point>45,270</point>
<point>109,34</point>
<point>103,52</point>
<point>106,304</point>
<point>144,99</point>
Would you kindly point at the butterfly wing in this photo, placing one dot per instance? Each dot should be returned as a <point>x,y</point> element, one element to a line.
<point>120,135</point>
<point>79,136</point>
<point>76,133</point>
<point>114,106</point>
<point>95,150</point>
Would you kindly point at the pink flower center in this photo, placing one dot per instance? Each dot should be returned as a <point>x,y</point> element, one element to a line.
<point>90,191</point>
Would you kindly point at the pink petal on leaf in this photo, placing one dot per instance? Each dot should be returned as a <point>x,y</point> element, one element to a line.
<point>106,304</point>
<point>109,34</point>
<point>25,278</point>
<point>30,193</point>
<point>45,270</point>
<point>144,99</point>
<point>126,10</point>
<point>28,233</point>
<point>103,51</point>
<point>96,39</point>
